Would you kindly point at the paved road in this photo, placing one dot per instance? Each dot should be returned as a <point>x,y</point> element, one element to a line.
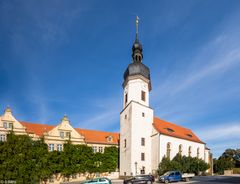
<point>204,179</point>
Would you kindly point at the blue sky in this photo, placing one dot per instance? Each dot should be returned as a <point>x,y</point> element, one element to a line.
<point>60,57</point>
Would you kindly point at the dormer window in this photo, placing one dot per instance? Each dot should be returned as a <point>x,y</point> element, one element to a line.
<point>169,130</point>
<point>109,138</point>
<point>189,135</point>
<point>62,135</point>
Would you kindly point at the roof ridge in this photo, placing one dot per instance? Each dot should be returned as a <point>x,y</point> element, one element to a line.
<point>97,130</point>
<point>173,123</point>
<point>179,131</point>
<point>36,123</point>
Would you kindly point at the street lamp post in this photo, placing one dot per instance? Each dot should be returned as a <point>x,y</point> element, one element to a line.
<point>136,168</point>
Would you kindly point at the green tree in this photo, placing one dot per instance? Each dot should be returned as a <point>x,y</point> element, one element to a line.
<point>68,160</point>
<point>164,165</point>
<point>183,164</point>
<point>20,156</point>
<point>27,161</point>
<point>110,159</point>
<point>223,163</point>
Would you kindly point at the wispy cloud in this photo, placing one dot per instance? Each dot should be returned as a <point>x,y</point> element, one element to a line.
<point>104,114</point>
<point>226,131</point>
<point>199,85</point>
<point>221,136</point>
<point>206,85</point>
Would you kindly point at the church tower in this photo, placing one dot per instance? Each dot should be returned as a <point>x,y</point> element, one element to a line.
<point>136,117</point>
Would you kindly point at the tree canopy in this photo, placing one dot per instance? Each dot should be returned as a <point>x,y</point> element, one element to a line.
<point>229,159</point>
<point>183,164</point>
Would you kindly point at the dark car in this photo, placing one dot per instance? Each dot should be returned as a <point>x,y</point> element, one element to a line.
<point>149,179</point>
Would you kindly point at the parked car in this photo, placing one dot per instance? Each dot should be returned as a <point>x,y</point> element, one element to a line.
<point>150,176</point>
<point>148,179</point>
<point>98,181</point>
<point>175,176</point>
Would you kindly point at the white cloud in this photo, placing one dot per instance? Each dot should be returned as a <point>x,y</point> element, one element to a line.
<point>220,132</point>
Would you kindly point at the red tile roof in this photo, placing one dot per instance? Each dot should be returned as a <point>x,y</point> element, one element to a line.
<point>95,136</point>
<point>91,136</point>
<point>37,129</point>
<point>174,130</point>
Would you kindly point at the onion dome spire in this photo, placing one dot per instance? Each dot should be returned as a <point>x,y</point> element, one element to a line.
<point>137,46</point>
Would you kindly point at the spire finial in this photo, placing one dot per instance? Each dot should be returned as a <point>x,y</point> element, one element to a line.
<point>65,118</point>
<point>137,22</point>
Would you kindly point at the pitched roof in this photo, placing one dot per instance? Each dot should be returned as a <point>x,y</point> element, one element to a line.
<point>91,136</point>
<point>174,130</point>
<point>95,136</point>
<point>37,129</point>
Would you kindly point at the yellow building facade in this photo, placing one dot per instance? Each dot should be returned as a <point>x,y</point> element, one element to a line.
<point>56,136</point>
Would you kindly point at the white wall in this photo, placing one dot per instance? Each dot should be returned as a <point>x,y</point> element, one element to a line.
<point>133,89</point>
<point>133,129</point>
<point>125,133</point>
<point>175,142</point>
<point>155,150</point>
<point>207,154</point>
<point>142,127</point>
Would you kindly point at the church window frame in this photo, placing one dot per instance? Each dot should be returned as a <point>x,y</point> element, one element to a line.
<point>143,114</point>
<point>198,152</point>
<point>125,143</point>
<point>143,96</point>
<point>180,148</point>
<point>142,141</point>
<point>168,154</point>
<point>189,151</point>
<point>126,99</point>
<point>142,156</point>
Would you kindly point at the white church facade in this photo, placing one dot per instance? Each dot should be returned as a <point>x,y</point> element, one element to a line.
<point>144,138</point>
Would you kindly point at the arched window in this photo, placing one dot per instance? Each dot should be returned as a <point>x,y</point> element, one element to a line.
<point>180,149</point>
<point>189,151</point>
<point>168,149</point>
<point>198,150</point>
